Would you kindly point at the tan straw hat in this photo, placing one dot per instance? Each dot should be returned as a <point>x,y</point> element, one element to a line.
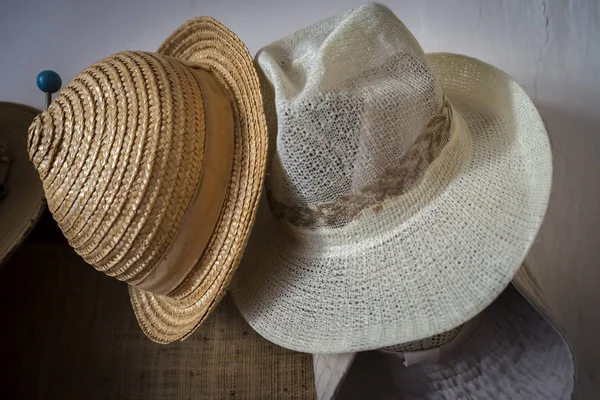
<point>152,164</point>
<point>403,192</point>
<point>21,193</point>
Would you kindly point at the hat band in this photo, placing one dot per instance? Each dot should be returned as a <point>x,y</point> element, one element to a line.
<point>450,162</point>
<point>393,182</point>
<point>204,210</point>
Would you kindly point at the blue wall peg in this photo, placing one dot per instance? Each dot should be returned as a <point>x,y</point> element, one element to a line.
<point>48,82</point>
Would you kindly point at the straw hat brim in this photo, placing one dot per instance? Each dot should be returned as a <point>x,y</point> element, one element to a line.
<point>24,202</point>
<point>204,42</point>
<point>439,266</point>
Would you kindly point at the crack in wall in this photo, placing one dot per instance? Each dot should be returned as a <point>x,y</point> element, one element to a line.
<point>542,47</point>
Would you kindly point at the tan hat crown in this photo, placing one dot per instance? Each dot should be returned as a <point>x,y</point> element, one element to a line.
<point>121,154</point>
<point>363,126</point>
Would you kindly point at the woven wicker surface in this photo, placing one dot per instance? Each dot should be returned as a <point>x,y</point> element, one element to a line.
<point>124,152</point>
<point>69,333</point>
<point>205,43</point>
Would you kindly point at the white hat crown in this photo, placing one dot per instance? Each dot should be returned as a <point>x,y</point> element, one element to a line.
<point>359,118</point>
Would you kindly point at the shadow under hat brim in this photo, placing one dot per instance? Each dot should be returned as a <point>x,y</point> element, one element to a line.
<point>205,43</point>
<point>430,271</point>
<point>514,353</point>
<point>24,201</point>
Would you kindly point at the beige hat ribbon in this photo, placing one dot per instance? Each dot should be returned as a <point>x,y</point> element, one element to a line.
<point>202,216</point>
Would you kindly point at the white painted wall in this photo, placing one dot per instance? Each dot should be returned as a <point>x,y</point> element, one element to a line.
<point>551,47</point>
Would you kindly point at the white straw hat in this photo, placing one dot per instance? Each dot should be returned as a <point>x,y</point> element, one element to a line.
<point>404,189</point>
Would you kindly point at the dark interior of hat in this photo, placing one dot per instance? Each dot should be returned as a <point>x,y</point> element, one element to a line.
<point>516,353</point>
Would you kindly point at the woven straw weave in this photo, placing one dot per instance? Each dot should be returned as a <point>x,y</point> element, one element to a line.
<point>121,169</point>
<point>69,334</point>
<point>121,154</point>
<point>403,190</point>
<point>205,43</point>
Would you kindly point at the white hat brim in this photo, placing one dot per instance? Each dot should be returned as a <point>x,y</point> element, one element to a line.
<point>438,267</point>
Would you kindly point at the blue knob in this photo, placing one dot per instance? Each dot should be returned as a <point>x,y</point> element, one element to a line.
<point>49,81</point>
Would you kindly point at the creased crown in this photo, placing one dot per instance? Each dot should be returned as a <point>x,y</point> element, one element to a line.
<point>359,116</point>
<point>120,154</point>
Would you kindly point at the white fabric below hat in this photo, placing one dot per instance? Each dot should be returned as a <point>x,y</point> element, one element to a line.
<point>514,354</point>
